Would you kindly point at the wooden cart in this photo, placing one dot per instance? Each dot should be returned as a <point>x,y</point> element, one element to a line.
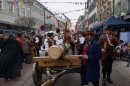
<point>52,68</point>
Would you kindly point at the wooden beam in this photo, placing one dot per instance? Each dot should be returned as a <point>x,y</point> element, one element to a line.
<point>47,83</point>
<point>45,61</point>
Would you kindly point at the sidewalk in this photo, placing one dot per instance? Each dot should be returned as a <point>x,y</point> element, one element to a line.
<point>11,82</point>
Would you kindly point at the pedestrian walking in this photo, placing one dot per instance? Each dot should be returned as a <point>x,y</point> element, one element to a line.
<point>20,53</point>
<point>108,43</point>
<point>36,43</point>
<point>90,68</point>
<point>26,49</point>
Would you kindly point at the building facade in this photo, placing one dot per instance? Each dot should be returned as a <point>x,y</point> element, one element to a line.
<point>37,12</point>
<point>68,21</point>
<point>92,13</point>
<point>86,16</point>
<point>12,10</point>
<point>104,9</point>
<point>122,9</point>
<point>80,25</point>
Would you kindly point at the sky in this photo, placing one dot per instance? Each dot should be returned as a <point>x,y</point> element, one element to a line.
<point>65,7</point>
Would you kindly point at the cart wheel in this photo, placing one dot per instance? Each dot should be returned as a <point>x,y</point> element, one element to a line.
<point>36,74</point>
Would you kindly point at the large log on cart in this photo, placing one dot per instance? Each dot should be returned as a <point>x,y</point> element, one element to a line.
<point>57,51</point>
<point>53,66</point>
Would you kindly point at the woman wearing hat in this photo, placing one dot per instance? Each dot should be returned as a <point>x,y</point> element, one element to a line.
<point>90,70</point>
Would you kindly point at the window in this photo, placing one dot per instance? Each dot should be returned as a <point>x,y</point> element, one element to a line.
<point>109,11</point>
<point>11,8</point>
<point>119,7</point>
<point>128,4</point>
<point>23,11</point>
<point>100,17</point>
<point>104,1</point>
<point>1,5</point>
<point>28,13</point>
<point>17,10</point>
<point>105,14</point>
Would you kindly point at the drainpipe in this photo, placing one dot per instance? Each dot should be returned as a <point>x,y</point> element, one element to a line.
<point>113,7</point>
<point>44,14</point>
<point>44,17</point>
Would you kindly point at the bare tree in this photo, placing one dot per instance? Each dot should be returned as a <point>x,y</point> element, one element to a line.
<point>26,22</point>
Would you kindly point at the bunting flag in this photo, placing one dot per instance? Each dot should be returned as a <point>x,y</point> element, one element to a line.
<point>69,11</point>
<point>73,19</point>
<point>21,2</point>
<point>17,3</point>
<point>76,3</point>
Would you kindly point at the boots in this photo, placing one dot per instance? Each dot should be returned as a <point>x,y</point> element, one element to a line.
<point>109,80</point>
<point>104,82</point>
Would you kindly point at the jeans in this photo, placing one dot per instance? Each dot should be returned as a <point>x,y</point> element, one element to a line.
<point>26,57</point>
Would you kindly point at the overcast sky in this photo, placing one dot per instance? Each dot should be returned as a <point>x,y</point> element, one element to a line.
<point>65,7</point>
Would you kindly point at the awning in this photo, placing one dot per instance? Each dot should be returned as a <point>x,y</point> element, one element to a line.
<point>112,22</point>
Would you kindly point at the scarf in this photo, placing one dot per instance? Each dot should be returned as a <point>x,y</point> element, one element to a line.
<point>84,52</point>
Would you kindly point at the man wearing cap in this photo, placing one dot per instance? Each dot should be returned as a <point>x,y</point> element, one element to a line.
<point>90,67</point>
<point>107,42</point>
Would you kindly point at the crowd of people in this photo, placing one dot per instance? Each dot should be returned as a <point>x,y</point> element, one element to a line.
<point>93,48</point>
<point>16,50</point>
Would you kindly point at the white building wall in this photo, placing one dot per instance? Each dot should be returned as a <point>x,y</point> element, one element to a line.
<point>10,17</point>
<point>91,14</point>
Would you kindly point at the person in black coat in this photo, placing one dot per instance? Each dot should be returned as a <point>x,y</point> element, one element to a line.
<point>9,62</point>
<point>1,44</point>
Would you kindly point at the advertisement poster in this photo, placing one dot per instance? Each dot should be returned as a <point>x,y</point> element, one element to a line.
<point>125,36</point>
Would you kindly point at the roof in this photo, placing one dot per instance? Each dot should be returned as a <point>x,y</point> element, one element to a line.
<point>113,22</point>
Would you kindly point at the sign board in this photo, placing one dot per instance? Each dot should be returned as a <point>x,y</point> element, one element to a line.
<point>125,36</point>
<point>42,27</point>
